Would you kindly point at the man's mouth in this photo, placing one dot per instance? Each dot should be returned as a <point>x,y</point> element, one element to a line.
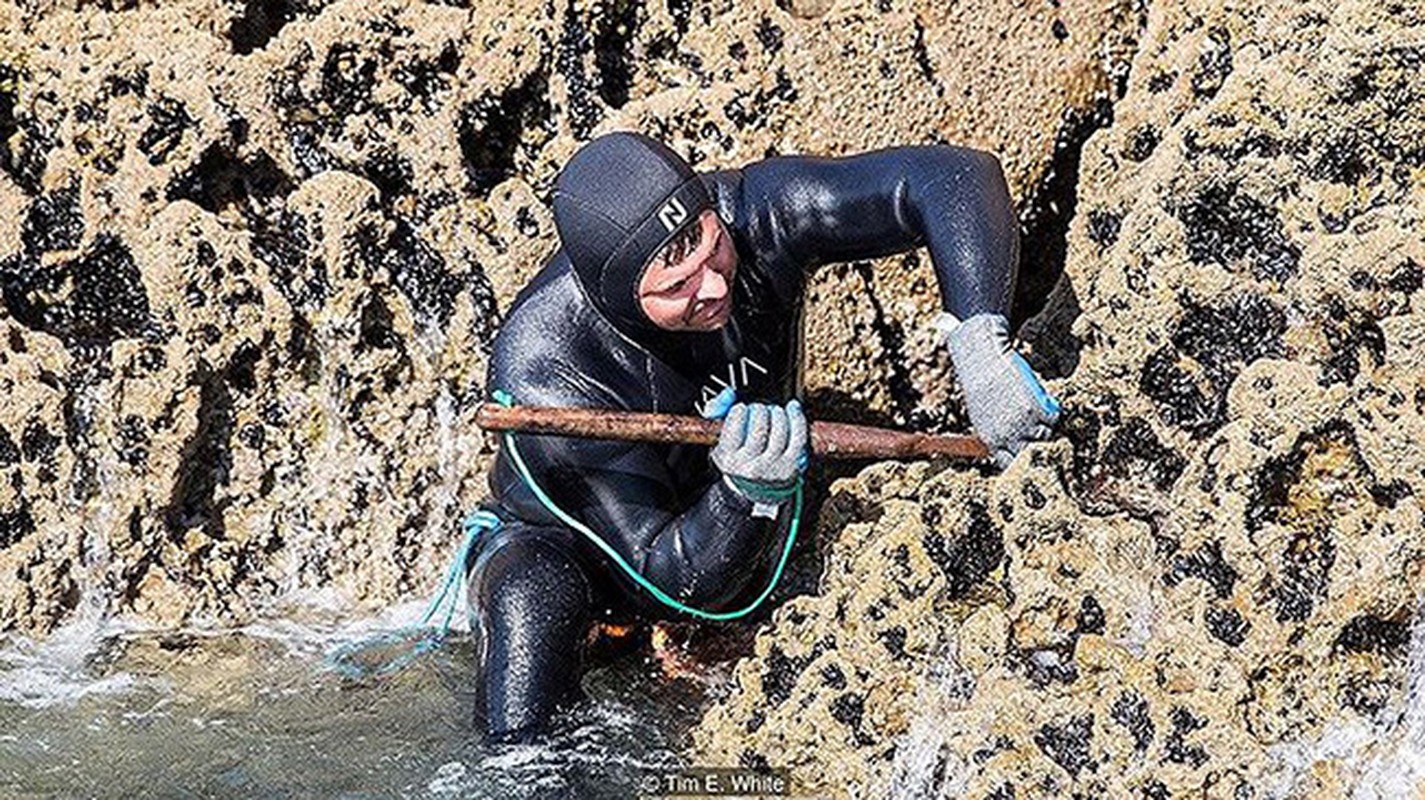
<point>712,311</point>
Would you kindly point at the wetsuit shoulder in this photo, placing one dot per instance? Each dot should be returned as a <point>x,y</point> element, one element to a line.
<point>554,349</point>
<point>797,212</point>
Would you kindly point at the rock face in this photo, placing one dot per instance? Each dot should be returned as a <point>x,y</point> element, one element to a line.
<point>1215,567</point>
<point>259,249</point>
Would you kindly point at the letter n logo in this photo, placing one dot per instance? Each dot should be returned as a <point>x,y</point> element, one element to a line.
<point>672,214</point>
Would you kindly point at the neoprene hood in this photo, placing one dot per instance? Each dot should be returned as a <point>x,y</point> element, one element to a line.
<point>621,197</point>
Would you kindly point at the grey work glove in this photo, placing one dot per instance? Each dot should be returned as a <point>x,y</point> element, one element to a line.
<point>761,450</point>
<point>1008,405</point>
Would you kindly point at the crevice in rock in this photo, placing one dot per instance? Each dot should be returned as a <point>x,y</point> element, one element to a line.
<point>574,41</point>
<point>922,60</point>
<point>904,396</point>
<point>206,462</point>
<point>260,22</point>
<point>491,128</point>
<point>1043,293</point>
<point>615,24</point>
<point>24,164</point>
<point>9,86</point>
<point>241,373</point>
<point>221,180</point>
<point>1045,212</point>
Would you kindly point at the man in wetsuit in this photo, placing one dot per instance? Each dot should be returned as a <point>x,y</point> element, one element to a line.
<point>670,289</point>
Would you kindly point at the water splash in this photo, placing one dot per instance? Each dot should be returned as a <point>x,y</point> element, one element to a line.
<point>55,669</point>
<point>926,767</point>
<point>590,759</point>
<point>453,458</point>
<point>1381,759</point>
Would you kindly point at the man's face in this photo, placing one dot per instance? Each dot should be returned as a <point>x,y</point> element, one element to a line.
<point>688,285</point>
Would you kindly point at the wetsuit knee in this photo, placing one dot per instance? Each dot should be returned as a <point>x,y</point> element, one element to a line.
<point>531,604</point>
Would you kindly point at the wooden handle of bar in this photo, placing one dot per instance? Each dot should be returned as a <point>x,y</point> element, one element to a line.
<point>828,439</point>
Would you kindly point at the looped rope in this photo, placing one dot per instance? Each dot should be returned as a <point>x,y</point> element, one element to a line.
<point>346,659</point>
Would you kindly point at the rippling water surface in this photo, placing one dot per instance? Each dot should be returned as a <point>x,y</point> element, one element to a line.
<point>260,713</point>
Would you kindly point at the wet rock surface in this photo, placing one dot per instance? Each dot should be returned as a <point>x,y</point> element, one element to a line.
<point>1215,565</point>
<point>258,250</point>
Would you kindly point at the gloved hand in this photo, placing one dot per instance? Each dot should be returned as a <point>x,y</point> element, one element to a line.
<point>1008,405</point>
<point>762,449</point>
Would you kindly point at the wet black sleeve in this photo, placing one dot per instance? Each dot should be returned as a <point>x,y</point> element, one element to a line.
<point>798,212</point>
<point>701,550</point>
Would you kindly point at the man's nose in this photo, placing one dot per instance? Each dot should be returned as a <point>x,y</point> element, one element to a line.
<point>713,286</point>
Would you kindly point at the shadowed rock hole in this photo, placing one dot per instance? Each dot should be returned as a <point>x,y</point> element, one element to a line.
<point>614,29</point>
<point>220,180</point>
<point>261,20</point>
<point>206,462</point>
<point>491,127</point>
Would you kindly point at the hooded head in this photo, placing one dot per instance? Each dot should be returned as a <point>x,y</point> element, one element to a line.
<point>617,202</point>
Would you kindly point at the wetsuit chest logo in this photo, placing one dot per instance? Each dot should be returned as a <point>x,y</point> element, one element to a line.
<point>739,377</point>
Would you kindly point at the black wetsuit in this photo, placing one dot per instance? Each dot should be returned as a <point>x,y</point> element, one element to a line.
<point>536,585</point>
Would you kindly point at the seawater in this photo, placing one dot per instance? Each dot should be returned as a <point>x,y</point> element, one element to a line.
<point>258,712</point>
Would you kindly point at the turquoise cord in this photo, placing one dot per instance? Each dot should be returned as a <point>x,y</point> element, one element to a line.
<point>504,398</point>
<point>341,658</point>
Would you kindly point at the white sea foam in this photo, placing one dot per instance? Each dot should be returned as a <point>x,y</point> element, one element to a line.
<point>55,670</point>
<point>1383,759</point>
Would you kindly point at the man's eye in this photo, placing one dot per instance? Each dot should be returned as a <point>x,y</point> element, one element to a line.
<point>677,286</point>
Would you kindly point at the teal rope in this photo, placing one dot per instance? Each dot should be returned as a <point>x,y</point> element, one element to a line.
<point>506,399</point>
<point>345,658</point>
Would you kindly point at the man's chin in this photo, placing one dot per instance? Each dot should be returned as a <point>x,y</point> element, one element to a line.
<point>716,323</point>
<point>704,327</point>
<point>707,324</point>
